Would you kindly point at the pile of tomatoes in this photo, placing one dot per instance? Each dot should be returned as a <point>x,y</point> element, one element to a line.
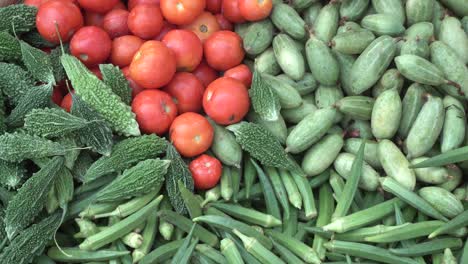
<point>181,58</point>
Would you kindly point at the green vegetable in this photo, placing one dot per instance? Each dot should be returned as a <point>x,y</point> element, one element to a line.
<point>177,171</point>
<point>163,252</point>
<point>248,215</point>
<point>257,250</point>
<point>11,174</point>
<point>17,18</point>
<point>114,78</point>
<point>125,154</point>
<point>19,146</point>
<point>265,101</point>
<point>9,47</point>
<point>184,252</point>
<point>100,97</point>
<point>76,255</point>
<point>38,63</point>
<point>145,177</point>
<point>14,81</point>
<point>31,198</point>
<point>53,122</point>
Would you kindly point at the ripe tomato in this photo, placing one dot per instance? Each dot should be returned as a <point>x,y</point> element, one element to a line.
<point>124,48</point>
<point>165,29</point>
<point>154,111</point>
<point>154,65</point>
<point>226,101</point>
<point>223,50</point>
<point>254,10</point>
<point>145,21</point>
<point>205,73</point>
<point>206,172</point>
<point>115,23</point>
<point>62,13</point>
<point>191,134</point>
<point>120,5</point>
<point>182,12</point>
<point>224,24</point>
<point>214,6</point>
<point>92,45</point>
<point>186,91</point>
<point>67,102</point>
<point>101,6</point>
<point>57,95</point>
<point>136,89</point>
<point>204,25</point>
<point>133,3</point>
<point>230,10</point>
<point>241,73</point>
<point>96,71</point>
<point>187,48</point>
<point>93,19</point>
<point>38,3</point>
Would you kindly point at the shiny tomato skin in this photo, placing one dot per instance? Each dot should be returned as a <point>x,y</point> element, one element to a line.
<point>206,172</point>
<point>92,45</point>
<point>242,73</point>
<point>67,102</point>
<point>145,21</point>
<point>186,91</point>
<point>226,101</point>
<point>136,89</point>
<point>205,73</point>
<point>255,10</point>
<point>167,27</point>
<point>93,19</point>
<point>224,24</point>
<point>154,65</point>
<point>155,111</point>
<point>120,5</point>
<point>101,6</point>
<point>57,95</point>
<point>204,26</point>
<point>182,12</point>
<point>214,6</point>
<point>223,50</point>
<point>133,3</point>
<point>191,134</point>
<point>115,23</point>
<point>187,48</point>
<point>62,13</point>
<point>38,3</point>
<point>230,10</point>
<point>124,48</point>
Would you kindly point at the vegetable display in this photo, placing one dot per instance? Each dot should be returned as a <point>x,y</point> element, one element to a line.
<point>233,131</point>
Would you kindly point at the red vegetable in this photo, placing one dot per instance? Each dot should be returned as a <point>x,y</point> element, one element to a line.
<point>206,172</point>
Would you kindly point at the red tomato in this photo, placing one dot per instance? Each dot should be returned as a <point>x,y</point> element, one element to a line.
<point>93,19</point>
<point>96,71</point>
<point>92,45</point>
<point>38,3</point>
<point>224,23</point>
<point>182,12</point>
<point>124,48</point>
<point>206,172</point>
<point>230,10</point>
<point>154,111</point>
<point>191,134</point>
<point>204,25</point>
<point>241,73</point>
<point>223,50</point>
<point>226,101</point>
<point>154,65</point>
<point>187,48</point>
<point>119,5</point>
<point>67,102</point>
<point>186,91</point>
<point>136,89</point>
<point>101,6</point>
<point>254,10</point>
<point>145,21</point>
<point>57,95</point>
<point>205,73</point>
<point>133,3</point>
<point>115,23</point>
<point>214,6</point>
<point>165,29</point>
<point>64,14</point>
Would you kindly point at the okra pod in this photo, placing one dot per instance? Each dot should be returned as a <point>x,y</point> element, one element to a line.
<point>261,253</point>
<point>307,195</point>
<point>130,207</point>
<point>76,255</point>
<point>301,250</point>
<point>149,234</point>
<point>230,252</point>
<point>426,248</point>
<point>326,208</point>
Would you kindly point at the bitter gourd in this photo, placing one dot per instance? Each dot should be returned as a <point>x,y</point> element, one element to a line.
<point>147,176</point>
<point>115,79</point>
<point>53,122</point>
<point>15,147</point>
<point>31,242</point>
<point>100,97</point>
<point>125,154</point>
<point>262,145</point>
<point>177,171</point>
<point>98,136</point>
<point>73,150</point>
<point>15,81</point>
<point>57,68</point>
<point>9,47</point>
<point>36,40</point>
<point>38,63</point>
<point>17,18</point>
<point>265,101</point>
<point>31,198</point>
<point>11,174</point>
<point>64,187</point>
